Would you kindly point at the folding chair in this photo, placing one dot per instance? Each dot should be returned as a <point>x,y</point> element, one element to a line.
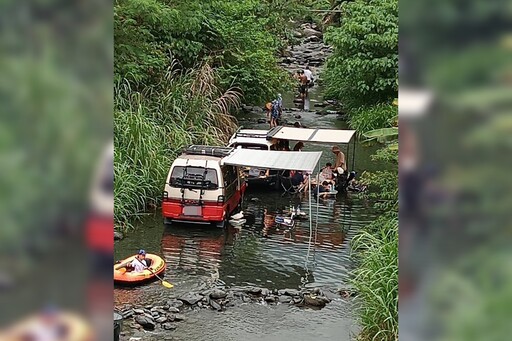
<point>286,184</point>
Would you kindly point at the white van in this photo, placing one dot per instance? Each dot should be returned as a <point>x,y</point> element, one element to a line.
<point>199,189</point>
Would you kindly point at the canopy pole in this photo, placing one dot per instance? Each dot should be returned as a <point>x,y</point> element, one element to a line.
<point>317,203</point>
<point>310,224</point>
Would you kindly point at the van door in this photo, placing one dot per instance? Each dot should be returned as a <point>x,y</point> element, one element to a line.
<point>230,181</point>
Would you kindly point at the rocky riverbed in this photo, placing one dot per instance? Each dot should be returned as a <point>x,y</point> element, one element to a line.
<point>167,315</point>
<point>310,51</point>
<point>270,288</point>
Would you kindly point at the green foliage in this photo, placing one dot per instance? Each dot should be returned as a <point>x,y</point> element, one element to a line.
<point>366,118</point>
<point>376,280</point>
<point>149,134</point>
<point>240,39</point>
<point>376,248</point>
<point>363,68</point>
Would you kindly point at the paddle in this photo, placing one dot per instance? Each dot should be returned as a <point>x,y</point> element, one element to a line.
<point>164,283</point>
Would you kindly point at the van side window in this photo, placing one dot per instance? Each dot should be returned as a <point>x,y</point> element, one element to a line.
<point>229,174</point>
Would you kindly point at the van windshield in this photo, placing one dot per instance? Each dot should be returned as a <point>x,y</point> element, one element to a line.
<point>194,177</point>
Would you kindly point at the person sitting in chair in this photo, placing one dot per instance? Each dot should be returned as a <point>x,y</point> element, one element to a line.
<point>324,189</point>
<point>299,180</point>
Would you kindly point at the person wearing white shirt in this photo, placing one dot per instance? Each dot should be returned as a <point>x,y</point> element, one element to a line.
<point>138,264</point>
<point>309,75</point>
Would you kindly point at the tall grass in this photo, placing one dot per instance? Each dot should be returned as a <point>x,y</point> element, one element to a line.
<point>153,125</point>
<point>368,118</point>
<point>376,279</point>
<point>376,250</point>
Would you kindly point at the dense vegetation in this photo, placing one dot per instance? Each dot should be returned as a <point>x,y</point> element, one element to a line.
<point>362,74</point>
<point>181,68</point>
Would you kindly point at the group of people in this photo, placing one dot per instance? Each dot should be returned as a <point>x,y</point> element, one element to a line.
<point>274,108</point>
<point>326,177</point>
<point>306,81</point>
<point>274,111</point>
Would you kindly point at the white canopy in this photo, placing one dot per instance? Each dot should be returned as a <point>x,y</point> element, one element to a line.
<point>312,135</point>
<point>269,159</point>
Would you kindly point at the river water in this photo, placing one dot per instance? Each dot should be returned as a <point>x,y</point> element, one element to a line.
<point>262,255</point>
<point>259,254</point>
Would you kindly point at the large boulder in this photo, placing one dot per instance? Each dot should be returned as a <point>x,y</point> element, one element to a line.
<point>218,293</point>
<point>175,303</point>
<point>169,326</point>
<point>145,321</point>
<point>191,298</point>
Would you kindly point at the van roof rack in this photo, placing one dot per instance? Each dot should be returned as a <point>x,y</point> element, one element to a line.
<point>252,134</point>
<point>208,150</point>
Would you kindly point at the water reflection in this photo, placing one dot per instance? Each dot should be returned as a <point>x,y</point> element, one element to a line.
<point>260,252</point>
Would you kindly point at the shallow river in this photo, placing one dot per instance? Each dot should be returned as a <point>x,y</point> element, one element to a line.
<point>259,254</point>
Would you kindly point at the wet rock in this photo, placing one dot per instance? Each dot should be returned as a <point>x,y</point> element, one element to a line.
<point>145,322</point>
<point>118,235</point>
<point>297,116</point>
<point>265,292</point>
<point>317,291</point>
<point>297,300</point>
<point>320,105</point>
<point>174,310</point>
<point>255,199</point>
<point>246,299</point>
<point>135,326</point>
<point>262,120</point>
<point>191,298</point>
<point>217,293</point>
<point>199,304</point>
<point>285,299</point>
<point>315,301</point>
<point>215,305</point>
<point>270,299</point>
<point>169,326</point>
<point>161,319</point>
<point>138,311</point>
<point>127,313</point>
<point>297,34</point>
<point>166,307</point>
<point>254,290</point>
<point>179,317</point>
<point>289,292</point>
<point>155,314</point>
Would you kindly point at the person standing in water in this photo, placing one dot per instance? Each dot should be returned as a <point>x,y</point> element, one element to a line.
<point>340,159</point>
<point>309,76</point>
<point>280,108</point>
<point>303,88</point>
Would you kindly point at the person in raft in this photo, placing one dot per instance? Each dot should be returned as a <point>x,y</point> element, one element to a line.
<point>138,264</point>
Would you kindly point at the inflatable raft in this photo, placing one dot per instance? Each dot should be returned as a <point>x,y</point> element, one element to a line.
<point>54,326</point>
<point>156,263</point>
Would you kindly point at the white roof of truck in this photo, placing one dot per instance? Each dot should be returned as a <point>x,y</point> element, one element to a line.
<point>250,136</point>
<point>269,159</point>
<point>312,135</point>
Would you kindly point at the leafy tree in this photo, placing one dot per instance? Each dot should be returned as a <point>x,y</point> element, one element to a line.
<point>363,68</point>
